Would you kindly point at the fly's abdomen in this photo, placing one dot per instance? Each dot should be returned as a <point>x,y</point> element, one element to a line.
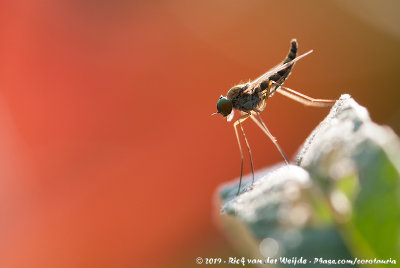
<point>292,52</point>
<point>281,76</point>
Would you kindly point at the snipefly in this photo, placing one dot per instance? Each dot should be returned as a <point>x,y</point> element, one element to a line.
<point>251,98</point>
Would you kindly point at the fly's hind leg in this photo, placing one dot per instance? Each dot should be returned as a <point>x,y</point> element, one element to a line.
<point>304,99</point>
<point>239,122</point>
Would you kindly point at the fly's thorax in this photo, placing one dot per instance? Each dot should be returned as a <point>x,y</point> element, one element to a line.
<point>236,91</point>
<point>243,99</point>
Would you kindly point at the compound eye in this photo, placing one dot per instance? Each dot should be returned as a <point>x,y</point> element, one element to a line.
<point>224,106</point>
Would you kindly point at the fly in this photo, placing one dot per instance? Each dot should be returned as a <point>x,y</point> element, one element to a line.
<point>251,98</point>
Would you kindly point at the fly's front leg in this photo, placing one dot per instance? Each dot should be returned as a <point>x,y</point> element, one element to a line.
<point>239,121</point>
<point>248,149</point>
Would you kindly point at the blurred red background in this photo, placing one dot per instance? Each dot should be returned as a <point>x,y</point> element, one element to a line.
<point>109,156</point>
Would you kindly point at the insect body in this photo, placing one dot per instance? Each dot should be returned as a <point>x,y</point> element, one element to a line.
<point>253,96</point>
<point>250,99</point>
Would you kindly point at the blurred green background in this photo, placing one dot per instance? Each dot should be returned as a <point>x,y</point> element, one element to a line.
<point>109,156</point>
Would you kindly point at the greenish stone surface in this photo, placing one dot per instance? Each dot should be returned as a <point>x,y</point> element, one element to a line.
<point>340,200</point>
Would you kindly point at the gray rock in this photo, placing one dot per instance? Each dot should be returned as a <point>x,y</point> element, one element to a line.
<point>341,200</point>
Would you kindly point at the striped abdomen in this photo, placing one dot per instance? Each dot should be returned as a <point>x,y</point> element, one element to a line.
<point>280,77</point>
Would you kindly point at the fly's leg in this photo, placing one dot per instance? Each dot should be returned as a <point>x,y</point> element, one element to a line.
<point>266,88</point>
<point>239,121</point>
<point>304,99</point>
<point>248,148</point>
<point>241,156</point>
<point>266,131</point>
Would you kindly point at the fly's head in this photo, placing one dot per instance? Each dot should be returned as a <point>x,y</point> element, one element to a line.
<point>225,108</point>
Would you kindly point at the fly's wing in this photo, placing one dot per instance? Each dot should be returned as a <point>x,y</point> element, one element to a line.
<point>255,83</point>
<point>277,84</point>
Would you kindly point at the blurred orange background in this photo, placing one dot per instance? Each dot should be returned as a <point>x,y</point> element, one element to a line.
<point>109,156</point>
